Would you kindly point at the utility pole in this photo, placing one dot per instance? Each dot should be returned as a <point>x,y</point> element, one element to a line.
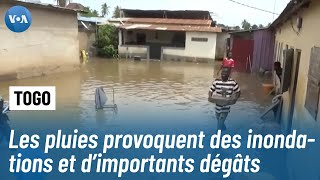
<point>274,8</point>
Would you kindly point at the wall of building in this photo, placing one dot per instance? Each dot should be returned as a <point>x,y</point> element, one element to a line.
<point>129,51</point>
<point>50,45</point>
<point>194,50</point>
<point>173,51</point>
<point>86,40</point>
<point>158,37</point>
<point>221,44</point>
<point>302,120</point>
<point>201,49</point>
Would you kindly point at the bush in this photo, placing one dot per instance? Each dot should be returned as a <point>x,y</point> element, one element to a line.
<point>107,41</point>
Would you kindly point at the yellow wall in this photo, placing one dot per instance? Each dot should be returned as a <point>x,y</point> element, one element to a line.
<point>50,45</point>
<point>302,120</point>
<point>307,38</point>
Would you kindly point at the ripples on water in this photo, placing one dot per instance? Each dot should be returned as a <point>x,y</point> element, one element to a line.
<point>147,91</point>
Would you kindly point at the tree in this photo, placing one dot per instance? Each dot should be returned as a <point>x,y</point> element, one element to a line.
<point>254,26</point>
<point>269,24</point>
<point>95,13</point>
<point>237,28</point>
<point>104,9</point>
<point>245,25</point>
<point>107,41</point>
<point>116,12</point>
<point>222,25</point>
<point>261,26</point>
<point>90,12</point>
<point>62,3</point>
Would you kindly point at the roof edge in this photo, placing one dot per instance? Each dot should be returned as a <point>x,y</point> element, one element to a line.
<point>37,5</point>
<point>292,7</point>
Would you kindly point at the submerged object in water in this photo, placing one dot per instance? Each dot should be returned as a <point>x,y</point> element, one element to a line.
<point>100,98</point>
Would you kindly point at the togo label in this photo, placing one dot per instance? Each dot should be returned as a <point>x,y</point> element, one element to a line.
<point>32,98</point>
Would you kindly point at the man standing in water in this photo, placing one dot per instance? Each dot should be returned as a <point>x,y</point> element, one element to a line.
<point>227,62</point>
<point>224,87</point>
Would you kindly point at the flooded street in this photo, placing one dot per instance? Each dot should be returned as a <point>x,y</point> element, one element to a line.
<point>146,92</point>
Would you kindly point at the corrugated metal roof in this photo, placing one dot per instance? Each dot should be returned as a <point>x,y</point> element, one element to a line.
<point>39,5</point>
<point>174,14</point>
<point>117,19</point>
<point>171,28</point>
<point>76,6</point>
<point>199,22</point>
<point>93,19</point>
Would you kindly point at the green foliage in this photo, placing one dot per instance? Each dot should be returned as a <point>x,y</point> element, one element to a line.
<point>104,9</point>
<point>90,12</point>
<point>254,26</point>
<point>245,25</point>
<point>107,41</point>
<point>116,12</point>
<point>222,25</point>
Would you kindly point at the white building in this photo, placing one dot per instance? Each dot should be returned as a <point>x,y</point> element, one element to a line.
<point>168,35</point>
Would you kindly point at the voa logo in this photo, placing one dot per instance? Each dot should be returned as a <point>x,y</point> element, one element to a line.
<point>18,19</point>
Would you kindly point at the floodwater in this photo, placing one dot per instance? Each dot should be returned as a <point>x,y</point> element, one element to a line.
<point>146,91</point>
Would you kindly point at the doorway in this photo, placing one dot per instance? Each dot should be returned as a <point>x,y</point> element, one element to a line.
<point>141,38</point>
<point>155,51</point>
<point>293,88</point>
<point>241,50</point>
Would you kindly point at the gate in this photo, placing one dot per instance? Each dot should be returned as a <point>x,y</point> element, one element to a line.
<point>241,50</point>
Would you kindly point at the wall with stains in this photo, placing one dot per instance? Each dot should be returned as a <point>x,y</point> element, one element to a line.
<point>307,38</point>
<point>50,45</point>
<point>221,44</point>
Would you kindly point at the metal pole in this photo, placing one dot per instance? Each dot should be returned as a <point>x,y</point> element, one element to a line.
<point>113,96</point>
<point>274,8</point>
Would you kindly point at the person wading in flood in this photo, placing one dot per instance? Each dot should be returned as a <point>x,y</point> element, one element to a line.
<point>224,87</point>
<point>227,62</point>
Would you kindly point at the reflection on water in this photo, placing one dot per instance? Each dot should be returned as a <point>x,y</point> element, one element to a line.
<point>146,91</point>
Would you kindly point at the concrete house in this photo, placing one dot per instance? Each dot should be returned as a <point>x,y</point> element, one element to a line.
<point>298,49</point>
<point>50,45</point>
<point>168,35</point>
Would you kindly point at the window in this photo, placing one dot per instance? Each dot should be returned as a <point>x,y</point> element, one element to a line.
<point>313,90</point>
<point>156,36</point>
<point>199,39</point>
<point>179,39</point>
<point>141,38</point>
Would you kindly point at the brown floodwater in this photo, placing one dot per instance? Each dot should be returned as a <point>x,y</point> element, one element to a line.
<point>144,91</point>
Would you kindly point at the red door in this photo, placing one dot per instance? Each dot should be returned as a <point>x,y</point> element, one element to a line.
<point>241,50</point>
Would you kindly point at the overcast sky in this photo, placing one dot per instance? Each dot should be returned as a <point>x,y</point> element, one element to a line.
<point>227,12</point>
